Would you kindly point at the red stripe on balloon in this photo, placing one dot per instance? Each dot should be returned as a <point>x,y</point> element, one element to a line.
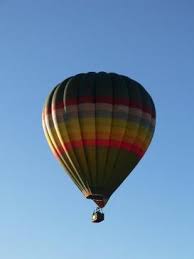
<point>102,143</point>
<point>105,99</point>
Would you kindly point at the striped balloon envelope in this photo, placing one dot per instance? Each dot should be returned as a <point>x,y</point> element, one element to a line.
<point>98,125</point>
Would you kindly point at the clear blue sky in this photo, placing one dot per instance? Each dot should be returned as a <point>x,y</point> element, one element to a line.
<point>42,214</point>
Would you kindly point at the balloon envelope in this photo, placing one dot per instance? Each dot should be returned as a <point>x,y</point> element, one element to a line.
<point>99,126</point>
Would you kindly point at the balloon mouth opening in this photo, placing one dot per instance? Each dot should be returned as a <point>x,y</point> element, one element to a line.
<point>99,199</point>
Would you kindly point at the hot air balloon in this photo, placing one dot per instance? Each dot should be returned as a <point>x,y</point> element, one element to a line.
<point>98,125</point>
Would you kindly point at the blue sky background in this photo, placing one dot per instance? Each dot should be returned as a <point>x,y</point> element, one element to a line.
<point>42,214</point>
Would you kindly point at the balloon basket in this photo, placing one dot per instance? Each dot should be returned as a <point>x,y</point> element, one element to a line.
<point>97,215</point>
